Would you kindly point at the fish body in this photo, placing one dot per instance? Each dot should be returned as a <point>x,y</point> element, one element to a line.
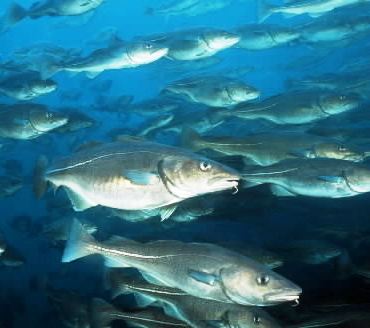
<point>313,8</point>
<point>271,148</point>
<point>135,175</point>
<point>297,107</point>
<point>196,43</point>
<point>29,121</point>
<point>196,312</point>
<point>260,37</point>
<point>202,270</point>
<point>325,178</point>
<point>214,91</point>
<point>26,86</point>
<point>118,56</point>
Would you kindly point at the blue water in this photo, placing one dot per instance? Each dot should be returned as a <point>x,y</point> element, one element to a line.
<point>252,217</point>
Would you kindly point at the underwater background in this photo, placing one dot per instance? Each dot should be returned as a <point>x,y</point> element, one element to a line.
<point>316,238</point>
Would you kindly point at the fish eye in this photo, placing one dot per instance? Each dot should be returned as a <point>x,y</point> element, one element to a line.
<point>263,280</point>
<point>205,166</point>
<point>256,320</point>
<point>148,46</point>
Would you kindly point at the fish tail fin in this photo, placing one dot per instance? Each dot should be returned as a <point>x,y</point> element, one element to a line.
<point>14,15</point>
<point>115,281</point>
<point>40,184</point>
<point>190,138</point>
<point>264,10</point>
<point>102,313</point>
<point>78,243</point>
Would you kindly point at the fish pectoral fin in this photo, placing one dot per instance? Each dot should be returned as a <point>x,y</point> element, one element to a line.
<point>204,277</point>
<point>128,138</point>
<point>280,191</point>
<point>331,179</point>
<point>141,177</point>
<point>78,202</point>
<point>167,211</point>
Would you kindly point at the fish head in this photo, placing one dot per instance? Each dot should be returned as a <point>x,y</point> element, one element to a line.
<point>142,53</point>
<point>257,285</point>
<point>46,120</point>
<point>239,92</point>
<point>218,39</point>
<point>338,151</point>
<point>253,317</point>
<point>358,178</point>
<point>190,176</point>
<point>44,87</point>
<point>337,103</point>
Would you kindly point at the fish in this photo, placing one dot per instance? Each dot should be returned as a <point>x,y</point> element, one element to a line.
<point>310,251</point>
<point>201,270</point>
<point>189,8</point>
<point>134,174</point>
<point>103,313</point>
<point>52,8</point>
<point>195,44</point>
<point>335,30</point>
<point>29,121</point>
<point>296,107</point>
<point>26,86</point>
<point>118,55</point>
<point>196,312</point>
<point>266,149</point>
<point>324,178</point>
<point>260,37</point>
<point>313,8</point>
<point>213,91</point>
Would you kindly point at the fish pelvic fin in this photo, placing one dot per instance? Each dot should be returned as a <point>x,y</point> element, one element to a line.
<point>78,243</point>
<point>40,184</point>
<point>102,313</point>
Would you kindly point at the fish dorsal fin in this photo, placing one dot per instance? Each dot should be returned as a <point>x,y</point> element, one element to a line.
<point>126,138</point>
<point>88,145</point>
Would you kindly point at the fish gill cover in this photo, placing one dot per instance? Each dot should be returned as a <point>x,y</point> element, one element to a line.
<point>184,163</point>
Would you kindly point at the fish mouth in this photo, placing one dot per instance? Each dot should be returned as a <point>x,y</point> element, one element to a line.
<point>284,295</point>
<point>218,184</point>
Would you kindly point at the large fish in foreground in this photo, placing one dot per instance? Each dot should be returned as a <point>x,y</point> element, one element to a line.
<point>197,312</point>
<point>202,270</point>
<point>134,174</point>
